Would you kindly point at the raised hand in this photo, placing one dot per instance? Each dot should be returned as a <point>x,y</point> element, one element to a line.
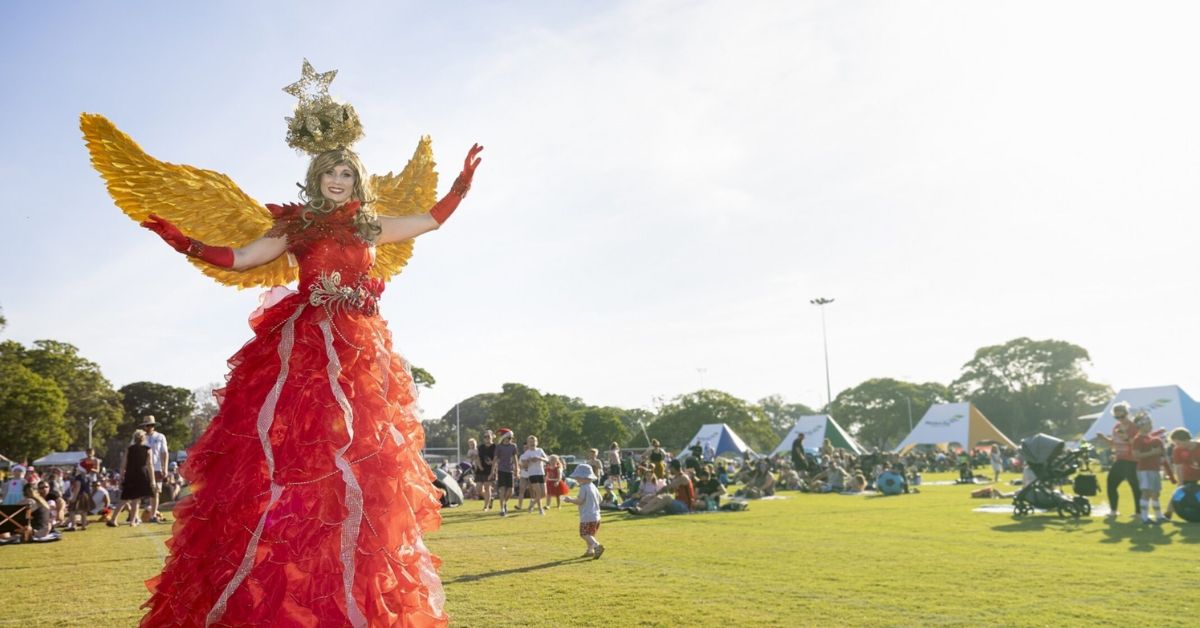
<point>472,161</point>
<point>221,256</point>
<point>168,232</point>
<point>442,210</point>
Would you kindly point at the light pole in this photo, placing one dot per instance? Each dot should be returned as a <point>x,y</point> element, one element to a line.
<point>821,302</point>
<point>457,433</point>
<point>701,371</point>
<point>908,400</point>
<point>91,423</point>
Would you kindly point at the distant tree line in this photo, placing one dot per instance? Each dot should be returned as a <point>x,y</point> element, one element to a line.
<point>49,394</point>
<point>1023,386</point>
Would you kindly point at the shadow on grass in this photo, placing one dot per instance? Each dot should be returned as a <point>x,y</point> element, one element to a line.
<point>1141,537</point>
<point>515,570</point>
<point>1187,532</point>
<point>1039,524</point>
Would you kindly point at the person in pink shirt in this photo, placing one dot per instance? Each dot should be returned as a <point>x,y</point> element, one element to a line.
<point>1124,469</point>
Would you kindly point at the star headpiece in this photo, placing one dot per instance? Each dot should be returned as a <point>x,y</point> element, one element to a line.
<point>320,124</point>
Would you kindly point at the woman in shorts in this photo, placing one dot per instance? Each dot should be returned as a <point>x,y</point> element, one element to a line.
<point>485,454</point>
<point>614,465</point>
<point>533,461</point>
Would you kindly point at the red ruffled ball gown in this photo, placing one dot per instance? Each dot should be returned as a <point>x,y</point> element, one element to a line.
<point>309,496</point>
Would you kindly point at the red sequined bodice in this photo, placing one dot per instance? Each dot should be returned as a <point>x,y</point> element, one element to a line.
<point>335,260</point>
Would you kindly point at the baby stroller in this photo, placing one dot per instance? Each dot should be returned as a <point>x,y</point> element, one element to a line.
<point>1052,466</point>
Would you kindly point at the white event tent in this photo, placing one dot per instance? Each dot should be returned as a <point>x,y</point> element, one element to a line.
<point>816,428</point>
<point>1169,407</point>
<point>953,423</point>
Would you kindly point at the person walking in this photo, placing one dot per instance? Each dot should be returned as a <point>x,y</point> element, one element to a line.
<point>1124,468</point>
<point>555,486</point>
<point>157,442</point>
<point>589,509</point>
<point>485,456</point>
<point>504,467</point>
<point>137,477</point>
<point>997,463</point>
<point>534,462</point>
<point>614,466</point>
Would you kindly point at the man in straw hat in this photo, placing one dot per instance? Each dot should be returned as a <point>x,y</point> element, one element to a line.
<point>157,442</point>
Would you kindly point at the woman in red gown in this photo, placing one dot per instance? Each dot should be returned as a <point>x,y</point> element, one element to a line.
<point>309,496</point>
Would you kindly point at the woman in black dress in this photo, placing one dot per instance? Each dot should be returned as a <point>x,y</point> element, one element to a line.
<point>483,468</point>
<point>137,478</point>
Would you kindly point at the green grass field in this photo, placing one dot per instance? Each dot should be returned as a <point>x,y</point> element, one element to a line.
<point>827,560</point>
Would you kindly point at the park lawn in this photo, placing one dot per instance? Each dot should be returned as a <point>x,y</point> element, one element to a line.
<point>834,560</point>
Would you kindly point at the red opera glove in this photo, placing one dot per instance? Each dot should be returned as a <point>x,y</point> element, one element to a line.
<point>221,256</point>
<point>442,210</point>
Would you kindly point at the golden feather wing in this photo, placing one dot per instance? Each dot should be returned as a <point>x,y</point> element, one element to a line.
<point>413,191</point>
<point>205,205</point>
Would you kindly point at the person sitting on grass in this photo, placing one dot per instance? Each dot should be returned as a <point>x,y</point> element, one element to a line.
<point>857,484</point>
<point>608,499</point>
<point>470,489</point>
<point>708,490</point>
<point>589,509</point>
<point>759,483</point>
<point>647,487</point>
<point>789,479</point>
<point>41,513</point>
<point>965,475</point>
<point>676,498</point>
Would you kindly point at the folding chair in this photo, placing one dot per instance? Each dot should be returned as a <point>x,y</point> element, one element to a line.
<point>16,519</point>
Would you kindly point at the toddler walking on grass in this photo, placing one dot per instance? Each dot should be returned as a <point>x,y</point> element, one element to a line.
<point>589,509</point>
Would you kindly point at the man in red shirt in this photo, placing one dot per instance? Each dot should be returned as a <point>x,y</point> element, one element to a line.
<point>1124,469</point>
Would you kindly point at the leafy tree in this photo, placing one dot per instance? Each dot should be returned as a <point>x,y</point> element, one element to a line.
<point>90,396</point>
<point>521,409</point>
<point>3,321</point>
<point>678,420</point>
<point>564,431</point>
<point>876,411</point>
<point>473,414</point>
<point>421,377</point>
<point>32,412</point>
<point>204,408</point>
<point>171,406</point>
<point>781,415</point>
<point>601,426</point>
<point>1025,386</point>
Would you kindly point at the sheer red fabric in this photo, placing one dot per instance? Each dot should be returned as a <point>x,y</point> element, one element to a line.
<point>309,496</point>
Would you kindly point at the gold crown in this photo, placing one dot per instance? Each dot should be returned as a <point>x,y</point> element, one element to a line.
<point>320,124</point>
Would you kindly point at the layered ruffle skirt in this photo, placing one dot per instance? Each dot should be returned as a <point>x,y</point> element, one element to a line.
<point>309,498</point>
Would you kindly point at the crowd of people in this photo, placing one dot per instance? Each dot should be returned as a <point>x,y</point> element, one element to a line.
<point>654,481</point>
<point>49,501</point>
<point>641,482</point>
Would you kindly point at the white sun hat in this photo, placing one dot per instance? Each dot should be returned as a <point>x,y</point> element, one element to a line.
<point>584,470</point>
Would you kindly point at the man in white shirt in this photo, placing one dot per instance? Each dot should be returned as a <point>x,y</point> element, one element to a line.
<point>157,442</point>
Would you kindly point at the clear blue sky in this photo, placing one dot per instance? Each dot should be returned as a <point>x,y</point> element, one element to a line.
<point>665,185</point>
